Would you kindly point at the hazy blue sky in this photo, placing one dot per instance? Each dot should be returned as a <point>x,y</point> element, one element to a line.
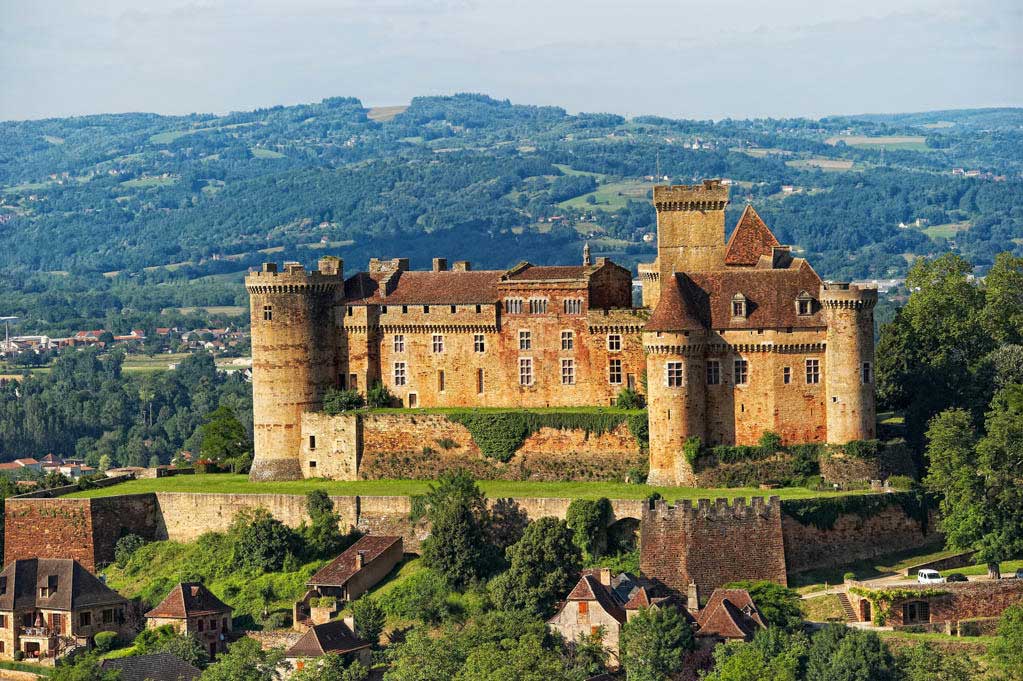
<point>686,58</point>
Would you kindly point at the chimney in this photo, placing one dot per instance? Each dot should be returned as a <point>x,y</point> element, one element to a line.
<point>605,576</point>
<point>693,599</point>
<point>349,621</point>
<point>586,254</point>
<point>781,257</point>
<point>331,265</point>
<point>461,266</point>
<point>601,261</point>
<point>360,559</point>
<point>440,264</point>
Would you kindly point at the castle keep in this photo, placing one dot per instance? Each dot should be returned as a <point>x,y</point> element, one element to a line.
<point>734,339</point>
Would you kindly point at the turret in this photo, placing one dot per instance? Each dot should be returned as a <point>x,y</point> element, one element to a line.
<point>849,361</point>
<point>295,357</point>
<point>690,227</point>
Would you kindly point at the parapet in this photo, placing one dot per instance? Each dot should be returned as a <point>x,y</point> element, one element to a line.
<point>294,277</point>
<point>718,509</point>
<point>378,266</point>
<point>842,294</point>
<point>711,195</point>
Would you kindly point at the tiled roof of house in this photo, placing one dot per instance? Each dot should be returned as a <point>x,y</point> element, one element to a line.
<point>338,571</point>
<point>75,587</point>
<point>154,667</point>
<point>448,287</point>
<point>189,599</point>
<point>530,272</point>
<point>331,637</point>
<point>750,239</point>
<point>589,589</point>
<point>674,311</point>
<point>730,614</point>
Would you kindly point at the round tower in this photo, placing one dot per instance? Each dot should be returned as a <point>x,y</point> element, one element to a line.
<point>676,402</point>
<point>295,357</point>
<point>849,361</point>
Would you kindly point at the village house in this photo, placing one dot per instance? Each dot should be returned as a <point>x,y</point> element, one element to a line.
<point>50,606</point>
<point>336,637</point>
<point>154,667</point>
<point>359,568</point>
<point>18,465</point>
<point>191,608</point>
<point>730,615</point>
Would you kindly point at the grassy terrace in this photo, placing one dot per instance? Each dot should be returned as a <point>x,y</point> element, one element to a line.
<point>226,483</point>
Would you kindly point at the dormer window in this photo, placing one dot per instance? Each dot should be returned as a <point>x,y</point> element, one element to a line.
<point>804,304</point>
<point>739,306</point>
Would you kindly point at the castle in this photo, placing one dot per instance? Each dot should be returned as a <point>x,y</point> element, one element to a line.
<point>733,339</point>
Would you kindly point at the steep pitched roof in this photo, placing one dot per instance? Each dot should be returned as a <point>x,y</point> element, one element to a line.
<point>75,587</point>
<point>750,239</point>
<point>338,571</point>
<point>731,614</point>
<point>332,637</point>
<point>154,667</point>
<point>675,311</point>
<point>189,599</point>
<point>589,588</point>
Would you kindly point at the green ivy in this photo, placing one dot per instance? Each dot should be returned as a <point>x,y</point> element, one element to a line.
<point>881,600</point>
<point>500,434</point>
<point>823,513</point>
<point>692,448</point>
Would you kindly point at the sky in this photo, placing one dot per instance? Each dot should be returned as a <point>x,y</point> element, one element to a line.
<point>683,59</point>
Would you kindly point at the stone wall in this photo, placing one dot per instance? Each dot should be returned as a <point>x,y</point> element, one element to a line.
<point>956,601</point>
<point>853,537</point>
<point>712,543</point>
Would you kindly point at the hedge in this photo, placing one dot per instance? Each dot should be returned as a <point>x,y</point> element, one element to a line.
<point>500,434</point>
<point>822,513</point>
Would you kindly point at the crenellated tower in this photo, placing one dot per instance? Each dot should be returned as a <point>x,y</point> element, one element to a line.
<point>849,360</point>
<point>296,358</point>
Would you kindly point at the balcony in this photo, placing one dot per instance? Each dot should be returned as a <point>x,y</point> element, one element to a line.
<point>37,632</point>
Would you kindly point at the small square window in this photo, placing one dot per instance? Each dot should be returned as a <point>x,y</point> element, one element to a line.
<point>479,343</point>
<point>399,342</point>
<point>525,340</point>
<point>567,340</point>
<point>312,464</point>
<point>614,342</point>
<point>268,313</point>
<point>438,342</point>
<point>813,371</point>
<point>454,309</point>
<point>673,376</point>
<point>614,372</point>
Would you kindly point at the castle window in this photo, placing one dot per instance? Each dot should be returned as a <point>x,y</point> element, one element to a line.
<point>438,342</point>
<point>813,371</point>
<point>525,340</point>
<point>312,464</point>
<point>614,342</point>
<point>525,371</point>
<point>568,372</point>
<point>454,309</point>
<point>268,313</point>
<point>440,380</point>
<point>584,608</point>
<point>349,310</point>
<point>107,616</point>
<point>713,372</point>
<point>312,442</point>
<point>537,306</point>
<point>614,372</point>
<point>479,308</point>
<point>399,373</point>
<point>740,371</point>
<point>867,373</point>
<point>567,340</point>
<point>404,309</point>
<point>513,305</point>
<point>673,374</point>
<point>786,375</point>
<point>479,381</point>
<point>479,343</point>
<point>739,307</point>
<point>383,309</point>
<point>804,304</point>
<point>573,306</point>
<point>426,309</point>
<point>84,619</point>
<point>201,624</point>
<point>399,342</point>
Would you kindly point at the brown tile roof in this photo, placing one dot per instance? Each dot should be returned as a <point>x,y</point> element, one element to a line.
<point>332,637</point>
<point>76,587</point>
<point>640,599</point>
<point>589,588</point>
<point>674,311</point>
<point>425,288</point>
<point>730,614</point>
<point>189,599</point>
<point>153,667</point>
<point>530,272</point>
<point>750,239</point>
<point>338,571</point>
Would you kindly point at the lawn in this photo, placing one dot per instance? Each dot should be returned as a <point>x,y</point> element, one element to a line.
<point>569,170</point>
<point>946,231</point>
<point>904,142</point>
<point>611,196</point>
<point>825,608</point>
<point>226,483</point>
<point>887,564</point>
<point>144,182</point>
<point>260,152</point>
<point>833,164</point>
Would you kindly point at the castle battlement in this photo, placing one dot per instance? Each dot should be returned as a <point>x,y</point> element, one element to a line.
<point>843,295</point>
<point>294,278</point>
<point>716,509</point>
<point>710,195</point>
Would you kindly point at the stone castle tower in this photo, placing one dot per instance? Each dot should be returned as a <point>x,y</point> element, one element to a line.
<point>295,357</point>
<point>850,361</point>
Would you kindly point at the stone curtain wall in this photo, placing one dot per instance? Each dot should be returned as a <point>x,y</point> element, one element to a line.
<point>853,538</point>
<point>959,601</point>
<point>712,543</point>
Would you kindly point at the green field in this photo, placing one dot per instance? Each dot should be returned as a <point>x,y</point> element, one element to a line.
<point>144,182</point>
<point>611,196</point>
<point>170,136</point>
<point>830,164</point>
<point>904,142</point>
<point>260,152</point>
<point>946,231</point>
<point>211,309</point>
<point>569,170</point>
<point>226,483</point>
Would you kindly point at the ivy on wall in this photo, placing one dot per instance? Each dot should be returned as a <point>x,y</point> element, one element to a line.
<point>500,434</point>
<point>823,513</point>
<point>881,600</point>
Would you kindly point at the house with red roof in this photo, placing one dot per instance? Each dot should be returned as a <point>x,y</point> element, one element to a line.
<point>730,615</point>
<point>337,637</point>
<point>192,609</point>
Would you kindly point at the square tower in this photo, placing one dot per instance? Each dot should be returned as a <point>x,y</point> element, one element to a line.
<point>690,227</point>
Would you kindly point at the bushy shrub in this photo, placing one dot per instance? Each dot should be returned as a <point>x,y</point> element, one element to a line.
<point>369,619</point>
<point>849,577</point>
<point>629,399</point>
<point>639,426</point>
<point>588,520</point>
<point>126,547</point>
<point>421,597</point>
<point>862,449</point>
<point>339,401</point>
<point>279,619</point>
<point>261,542</point>
<point>902,482</point>
<point>446,443</point>
<point>770,443</point>
<point>692,449</point>
<point>105,641</point>
<point>378,396</point>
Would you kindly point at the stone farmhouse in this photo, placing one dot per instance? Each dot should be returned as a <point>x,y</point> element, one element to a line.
<point>734,339</point>
<point>50,606</point>
<point>192,609</point>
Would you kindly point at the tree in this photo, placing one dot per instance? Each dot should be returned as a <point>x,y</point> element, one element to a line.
<point>369,619</point>
<point>84,669</point>
<point>422,657</point>
<point>654,643</point>
<point>925,662</point>
<point>526,658</point>
<point>588,519</point>
<point>544,566</point>
<point>587,656</point>
<point>772,655</point>
<point>778,605</point>
<point>245,660</point>
<point>1007,650</point>
<point>322,538</point>
<point>457,547</point>
<point>331,667</point>
<point>1003,306</point>
<point>225,440</point>
<point>838,653</point>
<point>261,542</point>
<point>339,401</point>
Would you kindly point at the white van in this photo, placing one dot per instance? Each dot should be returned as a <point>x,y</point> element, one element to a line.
<point>929,577</point>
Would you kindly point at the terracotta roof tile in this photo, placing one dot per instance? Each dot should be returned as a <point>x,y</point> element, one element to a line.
<point>731,614</point>
<point>548,272</point>
<point>331,637</point>
<point>189,599</point>
<point>750,239</point>
<point>425,288</point>
<point>75,586</point>
<point>674,311</point>
<point>154,667</point>
<point>338,571</point>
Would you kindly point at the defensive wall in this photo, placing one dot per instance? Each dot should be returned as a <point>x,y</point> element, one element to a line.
<point>371,446</point>
<point>709,542</point>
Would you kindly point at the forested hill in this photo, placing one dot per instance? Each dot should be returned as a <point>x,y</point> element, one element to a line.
<point>130,214</point>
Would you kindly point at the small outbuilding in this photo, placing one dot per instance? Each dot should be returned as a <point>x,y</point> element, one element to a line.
<point>191,608</point>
